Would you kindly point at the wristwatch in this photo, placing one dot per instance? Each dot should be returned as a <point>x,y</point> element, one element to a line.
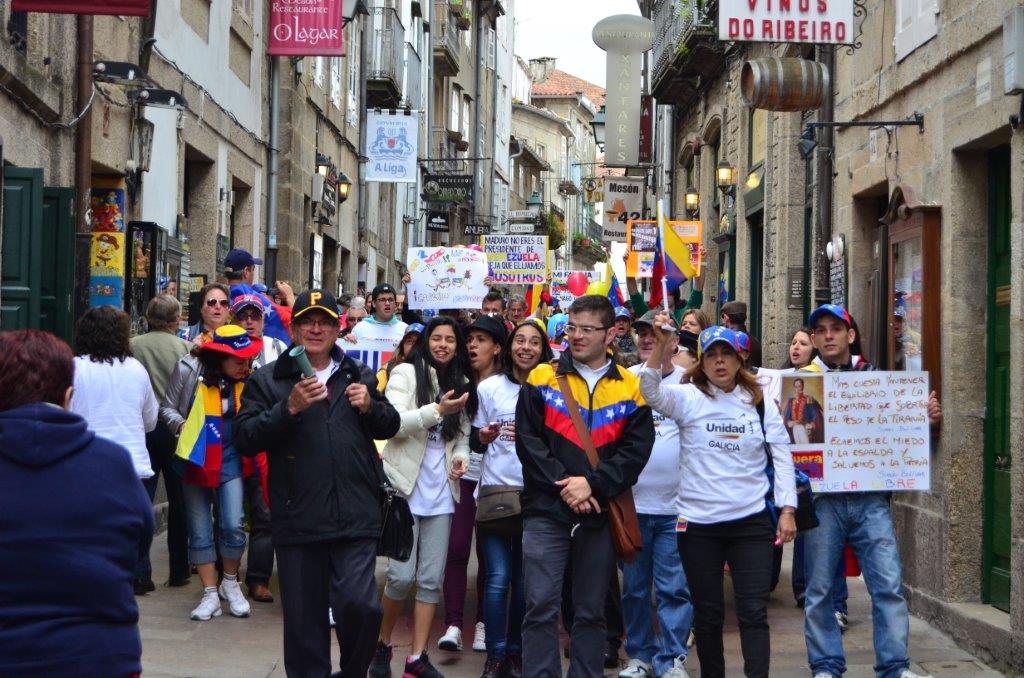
<point>788,510</point>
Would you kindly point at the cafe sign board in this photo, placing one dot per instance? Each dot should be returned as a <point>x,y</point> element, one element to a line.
<point>793,21</point>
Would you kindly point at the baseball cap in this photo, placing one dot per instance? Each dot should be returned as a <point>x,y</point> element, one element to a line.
<point>688,341</point>
<point>717,334</point>
<point>556,325</point>
<point>830,309</point>
<point>492,326</point>
<point>239,259</point>
<point>315,300</point>
<point>243,300</point>
<point>622,312</point>
<point>743,341</point>
<point>383,288</point>
<point>414,327</point>
<point>647,318</point>
<point>235,341</point>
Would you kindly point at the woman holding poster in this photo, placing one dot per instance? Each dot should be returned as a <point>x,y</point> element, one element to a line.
<point>722,515</point>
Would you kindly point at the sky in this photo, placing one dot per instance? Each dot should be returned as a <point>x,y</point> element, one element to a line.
<point>561,29</point>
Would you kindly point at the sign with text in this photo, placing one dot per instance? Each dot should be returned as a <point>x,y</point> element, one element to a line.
<point>859,431</point>
<point>623,201</point>
<point>517,259</point>
<point>437,221</point>
<point>802,21</point>
<point>446,277</point>
<point>374,345</point>
<point>641,239</point>
<point>625,38</point>
<point>448,188</point>
<point>646,129</point>
<point>560,286</point>
<point>306,28</point>
<point>391,142</point>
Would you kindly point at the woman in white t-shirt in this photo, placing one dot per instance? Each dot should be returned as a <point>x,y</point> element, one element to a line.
<point>722,516</point>
<point>499,531</point>
<point>424,462</point>
<point>113,393</point>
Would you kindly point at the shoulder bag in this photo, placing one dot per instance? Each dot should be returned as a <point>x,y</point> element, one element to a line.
<point>625,527</point>
<point>396,539</point>
<point>805,516</point>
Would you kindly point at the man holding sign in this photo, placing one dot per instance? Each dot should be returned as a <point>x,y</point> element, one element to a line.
<point>376,337</point>
<point>862,519</point>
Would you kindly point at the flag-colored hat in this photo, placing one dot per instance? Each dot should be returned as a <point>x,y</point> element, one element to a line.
<point>234,341</point>
<point>833,310</point>
<point>717,334</point>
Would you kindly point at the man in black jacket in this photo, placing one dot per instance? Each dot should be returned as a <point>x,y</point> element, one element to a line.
<point>324,481</point>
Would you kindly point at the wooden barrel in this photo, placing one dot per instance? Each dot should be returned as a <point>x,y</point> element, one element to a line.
<point>784,84</point>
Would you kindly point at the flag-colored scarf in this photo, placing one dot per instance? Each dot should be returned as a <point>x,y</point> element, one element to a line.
<point>201,442</point>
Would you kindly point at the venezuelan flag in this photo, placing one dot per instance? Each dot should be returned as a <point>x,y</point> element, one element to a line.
<point>201,438</point>
<point>671,261</point>
<point>615,294</point>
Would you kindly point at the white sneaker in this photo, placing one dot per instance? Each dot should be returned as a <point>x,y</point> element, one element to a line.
<point>907,673</point>
<point>330,617</point>
<point>451,640</point>
<point>844,623</point>
<point>480,638</point>
<point>823,674</point>
<point>230,591</point>
<point>677,670</point>
<point>636,668</point>
<point>208,607</point>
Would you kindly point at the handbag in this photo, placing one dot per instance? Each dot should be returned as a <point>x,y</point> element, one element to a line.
<point>498,501</point>
<point>625,527</point>
<point>396,539</point>
<point>804,516</point>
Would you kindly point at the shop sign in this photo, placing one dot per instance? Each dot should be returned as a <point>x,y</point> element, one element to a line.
<point>477,229</point>
<point>107,7</point>
<point>795,21</point>
<point>437,221</point>
<point>305,28</point>
<point>520,227</point>
<point>448,188</point>
<point>646,129</point>
<point>625,38</point>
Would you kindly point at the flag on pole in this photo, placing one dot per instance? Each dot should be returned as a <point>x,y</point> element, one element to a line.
<point>615,294</point>
<point>671,261</point>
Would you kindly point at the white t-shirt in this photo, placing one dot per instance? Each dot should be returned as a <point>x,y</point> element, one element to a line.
<point>325,374</point>
<point>656,488</point>
<point>589,375</point>
<point>722,448</point>
<point>498,396</point>
<point>118,403</point>
<point>431,495</point>
<point>472,473</point>
<point>370,328</point>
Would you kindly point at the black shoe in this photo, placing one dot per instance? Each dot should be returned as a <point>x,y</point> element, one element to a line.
<point>493,668</point>
<point>422,668</point>
<point>380,667</point>
<point>611,656</point>
<point>513,665</point>
<point>800,602</point>
<point>182,580</point>
<point>143,586</point>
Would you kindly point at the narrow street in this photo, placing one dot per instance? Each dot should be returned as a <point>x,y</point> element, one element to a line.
<point>173,645</point>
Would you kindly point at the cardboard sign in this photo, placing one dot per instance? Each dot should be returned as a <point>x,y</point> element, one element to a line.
<point>446,277</point>
<point>859,431</point>
<point>560,290</point>
<point>517,259</point>
<point>641,243</point>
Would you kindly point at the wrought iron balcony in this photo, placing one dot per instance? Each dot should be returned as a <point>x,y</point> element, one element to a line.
<point>686,48</point>
<point>445,36</point>
<point>385,70</point>
<point>463,11</point>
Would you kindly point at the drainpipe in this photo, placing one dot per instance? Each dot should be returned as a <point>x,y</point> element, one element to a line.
<point>272,173</point>
<point>494,123</point>
<point>826,160</point>
<point>83,130</point>
<point>480,66</point>
<point>361,210</point>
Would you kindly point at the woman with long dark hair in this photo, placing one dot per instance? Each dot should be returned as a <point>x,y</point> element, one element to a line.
<point>424,461</point>
<point>801,349</point>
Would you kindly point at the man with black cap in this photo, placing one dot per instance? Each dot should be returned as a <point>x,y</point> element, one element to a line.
<point>240,272</point>
<point>734,316</point>
<point>324,481</point>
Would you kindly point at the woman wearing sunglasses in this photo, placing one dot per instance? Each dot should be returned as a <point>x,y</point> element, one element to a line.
<point>214,312</point>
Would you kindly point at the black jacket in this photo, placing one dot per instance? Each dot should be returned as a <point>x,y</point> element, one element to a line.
<point>324,470</point>
<point>621,427</point>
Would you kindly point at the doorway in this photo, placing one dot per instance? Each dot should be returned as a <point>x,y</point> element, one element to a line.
<point>756,223</point>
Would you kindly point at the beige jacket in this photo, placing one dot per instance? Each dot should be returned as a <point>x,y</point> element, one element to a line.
<point>403,454</point>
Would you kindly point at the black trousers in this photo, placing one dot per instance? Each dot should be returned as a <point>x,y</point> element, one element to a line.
<point>261,545</point>
<point>615,629</point>
<point>339,573</point>
<point>746,545</point>
<point>161,443</point>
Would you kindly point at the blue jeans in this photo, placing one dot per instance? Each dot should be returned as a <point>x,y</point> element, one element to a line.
<point>503,614</point>
<point>865,522</point>
<point>840,593</point>
<point>658,565</point>
<point>199,508</point>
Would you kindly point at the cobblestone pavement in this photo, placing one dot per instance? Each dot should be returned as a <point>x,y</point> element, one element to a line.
<point>173,645</point>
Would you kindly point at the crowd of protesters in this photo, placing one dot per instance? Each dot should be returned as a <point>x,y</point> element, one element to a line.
<point>272,437</point>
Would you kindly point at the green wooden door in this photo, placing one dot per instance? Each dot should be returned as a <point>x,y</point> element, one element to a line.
<point>22,248</point>
<point>56,281</point>
<point>997,419</point>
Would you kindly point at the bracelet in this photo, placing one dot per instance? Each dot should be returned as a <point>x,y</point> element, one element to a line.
<point>788,511</point>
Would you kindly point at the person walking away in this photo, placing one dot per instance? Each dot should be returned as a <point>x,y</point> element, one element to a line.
<point>114,395</point>
<point>213,312</point>
<point>722,515</point>
<point>501,538</point>
<point>658,566</point>
<point>564,500</point>
<point>240,272</point>
<point>734,316</point>
<point>159,350</point>
<point>325,525</point>
<point>864,521</point>
<point>424,461</point>
<point>73,520</point>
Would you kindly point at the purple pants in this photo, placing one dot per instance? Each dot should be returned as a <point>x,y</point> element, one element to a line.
<point>461,538</point>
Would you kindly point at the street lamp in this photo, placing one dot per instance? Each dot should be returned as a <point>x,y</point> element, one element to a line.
<point>534,204</point>
<point>725,174</point>
<point>344,183</point>
<point>692,200</point>
<point>598,124</point>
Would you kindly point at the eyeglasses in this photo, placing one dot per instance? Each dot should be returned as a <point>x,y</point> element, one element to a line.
<point>249,316</point>
<point>213,303</point>
<point>324,324</point>
<point>572,330</point>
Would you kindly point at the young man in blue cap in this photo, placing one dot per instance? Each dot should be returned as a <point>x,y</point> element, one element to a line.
<point>862,519</point>
<point>240,271</point>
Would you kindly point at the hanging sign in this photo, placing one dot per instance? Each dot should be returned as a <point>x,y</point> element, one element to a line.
<point>623,201</point>
<point>446,277</point>
<point>799,21</point>
<point>625,38</point>
<point>517,259</point>
<point>437,221</point>
<point>477,229</point>
<point>391,141</point>
<point>108,7</point>
<point>448,187</point>
<point>646,129</point>
<point>305,28</point>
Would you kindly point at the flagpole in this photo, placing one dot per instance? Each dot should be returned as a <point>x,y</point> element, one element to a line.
<point>664,263</point>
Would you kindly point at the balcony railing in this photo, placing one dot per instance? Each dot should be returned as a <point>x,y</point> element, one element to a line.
<point>443,155</point>
<point>445,36</point>
<point>413,78</point>
<point>384,71</point>
<point>685,46</point>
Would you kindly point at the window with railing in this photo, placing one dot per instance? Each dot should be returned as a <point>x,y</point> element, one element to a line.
<point>352,112</point>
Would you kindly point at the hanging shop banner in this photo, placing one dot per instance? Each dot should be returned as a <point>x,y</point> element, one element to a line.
<point>391,143</point>
<point>448,188</point>
<point>625,38</point>
<point>305,28</point>
<point>802,21</point>
<point>560,286</point>
<point>859,431</point>
<point>446,277</point>
<point>108,7</point>
<point>437,221</point>
<point>593,189</point>
<point>646,129</point>
<point>623,201</point>
<point>517,259</point>
<point>641,243</point>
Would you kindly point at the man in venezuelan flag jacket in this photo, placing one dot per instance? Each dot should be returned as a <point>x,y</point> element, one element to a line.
<point>565,500</point>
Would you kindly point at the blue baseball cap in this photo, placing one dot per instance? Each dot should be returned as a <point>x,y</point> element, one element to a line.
<point>413,327</point>
<point>623,312</point>
<point>239,259</point>
<point>834,310</point>
<point>717,334</point>
<point>743,341</point>
<point>556,325</point>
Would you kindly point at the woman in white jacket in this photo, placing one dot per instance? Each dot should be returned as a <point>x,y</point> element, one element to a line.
<point>424,461</point>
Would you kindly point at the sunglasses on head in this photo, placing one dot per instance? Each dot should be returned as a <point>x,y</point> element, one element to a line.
<point>218,302</point>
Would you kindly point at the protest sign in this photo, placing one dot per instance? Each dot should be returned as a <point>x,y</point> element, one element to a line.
<point>517,259</point>
<point>446,277</point>
<point>859,431</point>
<point>560,288</point>
<point>641,243</point>
<point>375,345</point>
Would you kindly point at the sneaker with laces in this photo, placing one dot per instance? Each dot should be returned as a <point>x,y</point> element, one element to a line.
<point>230,591</point>
<point>843,621</point>
<point>677,670</point>
<point>421,668</point>
<point>493,668</point>
<point>451,640</point>
<point>208,607</point>
<point>380,667</point>
<point>480,638</point>
<point>636,668</point>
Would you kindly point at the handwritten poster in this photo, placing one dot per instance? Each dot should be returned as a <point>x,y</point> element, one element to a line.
<point>446,277</point>
<point>517,259</point>
<point>560,289</point>
<point>859,431</point>
<point>641,243</point>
